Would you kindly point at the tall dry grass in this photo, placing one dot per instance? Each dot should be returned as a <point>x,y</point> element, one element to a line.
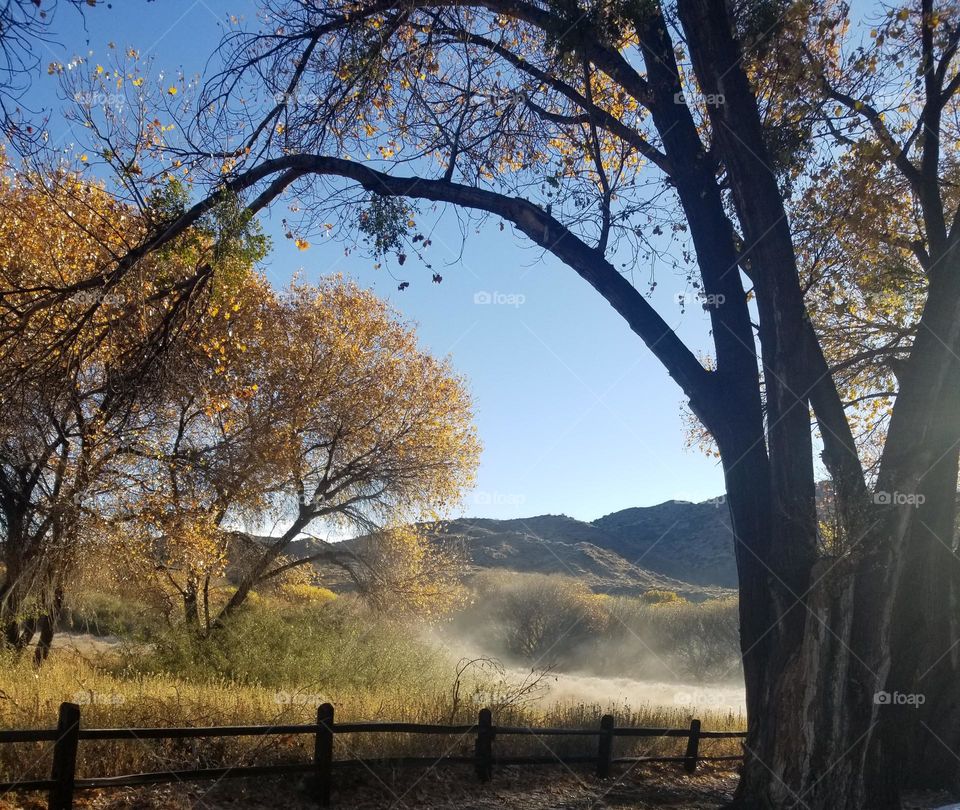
<point>30,699</point>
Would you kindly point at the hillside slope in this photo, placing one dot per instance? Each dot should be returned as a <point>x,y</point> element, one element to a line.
<point>677,546</point>
<point>689,541</point>
<point>557,544</point>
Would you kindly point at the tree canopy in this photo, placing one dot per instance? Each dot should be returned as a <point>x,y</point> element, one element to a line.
<point>259,412</point>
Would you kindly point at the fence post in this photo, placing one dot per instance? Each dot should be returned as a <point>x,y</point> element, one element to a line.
<point>484,745</point>
<point>323,753</point>
<point>605,746</point>
<point>65,757</point>
<point>693,747</point>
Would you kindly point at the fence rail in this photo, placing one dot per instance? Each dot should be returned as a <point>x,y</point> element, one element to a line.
<point>63,781</point>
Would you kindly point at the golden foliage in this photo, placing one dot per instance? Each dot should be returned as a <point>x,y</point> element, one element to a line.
<point>311,406</point>
<point>404,570</point>
<point>304,592</point>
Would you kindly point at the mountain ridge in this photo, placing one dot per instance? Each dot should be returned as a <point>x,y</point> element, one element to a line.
<point>676,545</point>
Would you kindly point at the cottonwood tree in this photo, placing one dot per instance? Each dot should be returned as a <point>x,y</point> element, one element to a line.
<point>60,428</point>
<point>438,82</point>
<point>408,570</point>
<point>888,108</point>
<point>68,424</point>
<point>594,128</point>
<point>373,429</point>
<point>205,457</point>
<point>325,414</point>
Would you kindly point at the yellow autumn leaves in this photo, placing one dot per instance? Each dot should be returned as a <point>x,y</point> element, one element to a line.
<point>313,404</point>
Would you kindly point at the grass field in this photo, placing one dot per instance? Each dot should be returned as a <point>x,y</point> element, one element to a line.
<point>109,699</point>
<point>274,665</point>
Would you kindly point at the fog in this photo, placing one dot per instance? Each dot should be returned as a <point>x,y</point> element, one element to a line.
<point>597,649</point>
<point>619,691</point>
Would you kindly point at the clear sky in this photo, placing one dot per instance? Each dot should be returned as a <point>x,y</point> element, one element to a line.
<point>575,415</point>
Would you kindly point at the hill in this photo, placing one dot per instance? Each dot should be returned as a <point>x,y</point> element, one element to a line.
<point>689,541</point>
<point>678,546</point>
<point>557,544</point>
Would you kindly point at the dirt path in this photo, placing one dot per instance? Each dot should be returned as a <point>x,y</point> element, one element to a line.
<point>645,788</point>
<point>511,789</point>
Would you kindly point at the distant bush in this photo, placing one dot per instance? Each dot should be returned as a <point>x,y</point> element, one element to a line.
<point>538,619</point>
<point>109,614</point>
<point>553,620</point>
<point>304,592</point>
<point>708,637</point>
<point>672,638</point>
<point>659,597</point>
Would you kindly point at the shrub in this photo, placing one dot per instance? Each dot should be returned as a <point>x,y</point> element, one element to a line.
<point>660,597</point>
<point>540,618</point>
<point>108,614</point>
<point>673,638</point>
<point>304,592</point>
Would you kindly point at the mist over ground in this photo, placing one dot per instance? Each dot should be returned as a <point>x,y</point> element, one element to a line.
<point>561,643</point>
<point>621,690</point>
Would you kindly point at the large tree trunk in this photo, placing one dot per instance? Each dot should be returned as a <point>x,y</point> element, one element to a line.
<point>9,608</point>
<point>260,569</point>
<point>926,637</point>
<point>18,631</point>
<point>818,737</point>
<point>925,640</point>
<point>797,663</point>
<point>864,700</point>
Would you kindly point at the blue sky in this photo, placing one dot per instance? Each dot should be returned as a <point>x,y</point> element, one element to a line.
<point>575,415</point>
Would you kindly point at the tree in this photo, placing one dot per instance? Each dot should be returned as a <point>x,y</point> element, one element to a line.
<point>207,456</point>
<point>897,235</point>
<point>374,430</point>
<point>325,413</point>
<point>703,636</point>
<point>69,423</point>
<point>540,619</point>
<point>404,570</point>
<point>59,429</point>
<point>553,117</point>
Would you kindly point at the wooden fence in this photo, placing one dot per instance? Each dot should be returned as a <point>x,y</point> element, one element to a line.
<point>66,738</point>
